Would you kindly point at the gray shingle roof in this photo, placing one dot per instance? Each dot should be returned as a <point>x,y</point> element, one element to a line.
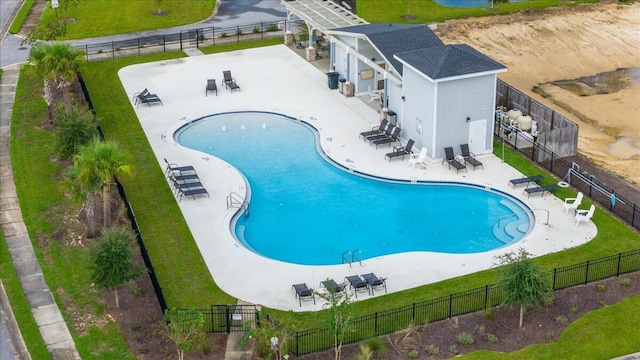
<point>449,60</point>
<point>392,39</point>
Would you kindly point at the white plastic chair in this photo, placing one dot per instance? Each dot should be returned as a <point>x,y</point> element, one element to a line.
<point>572,203</point>
<point>584,215</point>
<point>375,94</point>
<point>417,158</point>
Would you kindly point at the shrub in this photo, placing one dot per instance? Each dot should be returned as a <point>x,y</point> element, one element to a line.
<point>377,345</point>
<point>224,34</point>
<point>492,338</point>
<point>602,303</point>
<point>454,349</point>
<point>561,320</point>
<point>548,300</point>
<point>99,51</point>
<point>73,130</point>
<point>364,354</point>
<point>200,37</point>
<point>239,32</point>
<point>488,313</point>
<point>550,335</point>
<point>574,309</point>
<point>432,349</point>
<point>272,27</point>
<point>256,30</point>
<point>601,288</point>
<point>413,354</point>
<point>625,282</point>
<point>465,338</point>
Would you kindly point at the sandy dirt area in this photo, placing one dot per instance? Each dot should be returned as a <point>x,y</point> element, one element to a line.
<point>541,46</point>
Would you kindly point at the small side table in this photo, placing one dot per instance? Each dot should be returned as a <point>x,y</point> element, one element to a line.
<point>395,117</point>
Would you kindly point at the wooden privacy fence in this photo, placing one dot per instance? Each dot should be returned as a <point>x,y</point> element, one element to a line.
<point>556,133</point>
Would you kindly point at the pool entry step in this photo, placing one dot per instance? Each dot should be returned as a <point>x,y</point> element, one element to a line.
<point>352,256</point>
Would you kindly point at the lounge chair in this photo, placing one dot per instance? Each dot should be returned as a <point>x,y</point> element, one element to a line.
<point>375,283</point>
<point>540,189</point>
<point>469,157</point>
<point>143,93</point>
<point>387,132</point>
<point>303,293</point>
<point>417,158</point>
<point>211,86</point>
<point>331,286</point>
<point>182,186</point>
<point>229,81</point>
<point>181,170</point>
<point>376,130</point>
<point>395,137</point>
<point>584,215</point>
<point>357,284</point>
<point>145,97</point>
<point>572,203</point>
<point>451,160</point>
<point>401,151</point>
<point>375,94</point>
<point>525,180</point>
<point>191,191</point>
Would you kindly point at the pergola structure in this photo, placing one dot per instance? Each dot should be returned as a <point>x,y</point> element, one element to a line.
<point>321,15</point>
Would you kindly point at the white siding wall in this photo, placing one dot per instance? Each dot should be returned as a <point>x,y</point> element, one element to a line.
<point>417,108</point>
<point>459,99</point>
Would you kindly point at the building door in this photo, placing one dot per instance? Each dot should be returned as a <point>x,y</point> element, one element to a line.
<point>478,136</point>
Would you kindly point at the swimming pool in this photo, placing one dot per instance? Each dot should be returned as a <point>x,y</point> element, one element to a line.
<point>306,210</point>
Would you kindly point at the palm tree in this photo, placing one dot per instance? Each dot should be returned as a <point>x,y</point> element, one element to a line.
<point>83,193</point>
<point>98,163</point>
<point>59,64</point>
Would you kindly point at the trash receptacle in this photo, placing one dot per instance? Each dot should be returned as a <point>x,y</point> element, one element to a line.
<point>341,86</point>
<point>332,79</point>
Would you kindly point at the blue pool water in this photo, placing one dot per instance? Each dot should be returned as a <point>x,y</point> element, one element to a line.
<point>306,210</point>
<point>473,3</point>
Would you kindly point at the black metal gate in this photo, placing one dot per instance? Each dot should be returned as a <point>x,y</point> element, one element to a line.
<point>233,318</point>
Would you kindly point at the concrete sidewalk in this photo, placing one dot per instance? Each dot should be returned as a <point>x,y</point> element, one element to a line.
<point>48,317</point>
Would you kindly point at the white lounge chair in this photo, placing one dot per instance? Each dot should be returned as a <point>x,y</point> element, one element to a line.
<point>584,215</point>
<point>572,203</point>
<point>375,94</point>
<point>417,158</point>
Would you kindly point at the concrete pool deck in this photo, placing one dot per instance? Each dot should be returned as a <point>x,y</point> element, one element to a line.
<point>275,79</point>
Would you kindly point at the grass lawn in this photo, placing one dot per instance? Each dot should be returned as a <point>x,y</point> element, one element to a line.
<point>20,16</point>
<point>38,183</point>
<point>107,17</point>
<point>427,11</point>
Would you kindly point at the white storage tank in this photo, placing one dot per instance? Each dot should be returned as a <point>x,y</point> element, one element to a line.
<point>524,122</point>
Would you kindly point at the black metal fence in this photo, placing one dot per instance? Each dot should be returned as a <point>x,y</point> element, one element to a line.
<point>597,191</point>
<point>235,318</point>
<point>186,39</point>
<point>134,223</point>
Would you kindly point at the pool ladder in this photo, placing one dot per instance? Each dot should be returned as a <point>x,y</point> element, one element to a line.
<point>234,200</point>
<point>352,256</point>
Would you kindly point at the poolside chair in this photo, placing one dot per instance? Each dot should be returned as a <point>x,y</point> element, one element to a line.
<point>303,293</point>
<point>584,215</point>
<point>540,189</point>
<point>357,284</point>
<point>145,97</point>
<point>181,170</point>
<point>376,130</point>
<point>572,203</point>
<point>191,191</point>
<point>525,180</point>
<point>395,137</point>
<point>138,95</point>
<point>388,131</point>
<point>469,157</point>
<point>211,86</point>
<point>401,151</point>
<point>332,287</point>
<point>417,158</point>
<point>229,81</point>
<point>375,283</point>
<point>451,160</point>
<point>375,94</point>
